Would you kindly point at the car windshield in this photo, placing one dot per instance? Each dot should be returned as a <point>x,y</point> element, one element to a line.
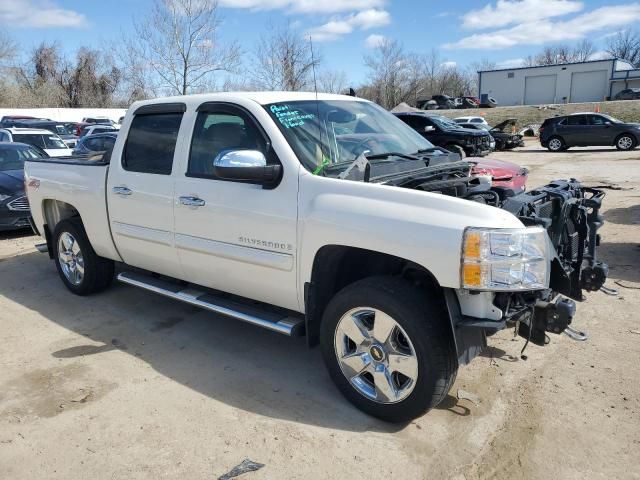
<point>13,158</point>
<point>40,140</point>
<point>324,133</point>
<point>610,118</point>
<point>445,123</point>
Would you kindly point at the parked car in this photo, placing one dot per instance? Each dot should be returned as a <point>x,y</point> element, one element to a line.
<point>14,206</point>
<point>481,127</point>
<point>446,133</point>
<point>503,174</point>
<point>480,120</point>
<point>504,135</point>
<point>66,133</point>
<point>11,120</point>
<point>92,129</point>
<point>587,130</point>
<point>91,144</point>
<point>371,242</point>
<point>50,142</point>
<point>99,120</point>
<point>628,94</point>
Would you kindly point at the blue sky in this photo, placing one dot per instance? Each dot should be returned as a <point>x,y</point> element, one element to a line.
<point>503,31</point>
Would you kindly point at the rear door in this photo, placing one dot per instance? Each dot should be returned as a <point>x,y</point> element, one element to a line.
<point>575,130</point>
<point>233,236</point>
<point>140,190</point>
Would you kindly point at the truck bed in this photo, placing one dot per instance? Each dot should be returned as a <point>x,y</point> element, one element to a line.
<point>56,183</point>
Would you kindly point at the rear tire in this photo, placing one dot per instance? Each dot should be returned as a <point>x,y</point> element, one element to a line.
<point>556,144</point>
<point>411,371</point>
<point>82,271</point>
<point>625,142</point>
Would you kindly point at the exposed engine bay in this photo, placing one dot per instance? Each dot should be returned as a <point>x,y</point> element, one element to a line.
<point>569,212</point>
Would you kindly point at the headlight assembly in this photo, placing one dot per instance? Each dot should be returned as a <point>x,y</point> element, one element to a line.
<point>505,259</point>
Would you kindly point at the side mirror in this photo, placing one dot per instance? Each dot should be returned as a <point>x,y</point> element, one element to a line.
<point>248,166</point>
<point>429,128</point>
<point>607,123</point>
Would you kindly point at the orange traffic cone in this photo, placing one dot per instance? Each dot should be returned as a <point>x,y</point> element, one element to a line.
<point>597,108</point>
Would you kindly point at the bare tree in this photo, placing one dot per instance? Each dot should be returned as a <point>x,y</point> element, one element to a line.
<point>7,48</point>
<point>625,45</point>
<point>178,41</point>
<point>332,81</point>
<point>283,61</point>
<point>583,51</point>
<point>562,54</point>
<point>393,72</point>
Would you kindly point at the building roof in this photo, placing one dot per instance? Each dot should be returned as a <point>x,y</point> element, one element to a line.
<point>547,66</point>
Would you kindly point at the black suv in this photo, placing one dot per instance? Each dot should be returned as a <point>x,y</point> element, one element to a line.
<point>444,132</point>
<point>588,130</point>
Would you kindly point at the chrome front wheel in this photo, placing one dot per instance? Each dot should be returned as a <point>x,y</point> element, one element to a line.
<point>70,258</point>
<point>555,144</point>
<point>376,355</point>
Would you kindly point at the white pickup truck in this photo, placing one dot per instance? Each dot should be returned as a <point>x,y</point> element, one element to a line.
<point>328,217</point>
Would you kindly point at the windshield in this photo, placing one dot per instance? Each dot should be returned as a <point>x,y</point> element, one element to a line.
<point>324,133</point>
<point>610,118</point>
<point>13,158</point>
<point>40,140</point>
<point>445,123</point>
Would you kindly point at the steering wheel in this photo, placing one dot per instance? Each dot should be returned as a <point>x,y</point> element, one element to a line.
<point>356,150</point>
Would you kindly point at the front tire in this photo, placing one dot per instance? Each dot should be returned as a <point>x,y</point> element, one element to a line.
<point>625,142</point>
<point>82,271</point>
<point>388,348</point>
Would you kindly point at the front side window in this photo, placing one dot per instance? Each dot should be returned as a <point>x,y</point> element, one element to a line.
<point>220,131</point>
<point>151,143</point>
<point>330,132</point>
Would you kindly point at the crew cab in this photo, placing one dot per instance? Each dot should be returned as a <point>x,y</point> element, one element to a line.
<point>323,216</point>
<point>446,133</point>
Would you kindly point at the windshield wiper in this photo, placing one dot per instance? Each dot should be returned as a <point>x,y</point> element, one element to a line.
<point>382,156</point>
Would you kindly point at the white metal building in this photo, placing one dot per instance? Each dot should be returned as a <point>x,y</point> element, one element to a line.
<point>592,81</point>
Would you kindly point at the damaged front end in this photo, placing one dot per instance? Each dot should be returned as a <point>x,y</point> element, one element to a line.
<point>570,214</point>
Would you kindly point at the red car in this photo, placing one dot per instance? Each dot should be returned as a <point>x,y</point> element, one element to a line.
<point>503,174</point>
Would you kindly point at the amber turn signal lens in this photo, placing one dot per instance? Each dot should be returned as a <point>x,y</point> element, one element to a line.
<point>472,243</point>
<point>472,274</point>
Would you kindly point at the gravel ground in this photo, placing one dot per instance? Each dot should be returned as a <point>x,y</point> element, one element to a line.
<point>127,385</point>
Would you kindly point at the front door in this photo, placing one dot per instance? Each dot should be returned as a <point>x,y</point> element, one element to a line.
<point>140,191</point>
<point>601,130</point>
<point>233,236</point>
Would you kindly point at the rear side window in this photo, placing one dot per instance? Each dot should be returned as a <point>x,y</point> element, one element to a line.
<point>151,143</point>
<point>577,120</point>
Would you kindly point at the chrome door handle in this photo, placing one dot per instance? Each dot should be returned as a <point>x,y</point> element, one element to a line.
<point>121,190</point>
<point>192,201</point>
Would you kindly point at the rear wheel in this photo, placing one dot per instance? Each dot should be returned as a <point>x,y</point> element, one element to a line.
<point>625,142</point>
<point>80,268</point>
<point>556,144</point>
<point>388,349</point>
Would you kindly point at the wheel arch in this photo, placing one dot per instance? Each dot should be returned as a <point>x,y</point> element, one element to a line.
<point>53,212</point>
<point>336,266</point>
<point>634,137</point>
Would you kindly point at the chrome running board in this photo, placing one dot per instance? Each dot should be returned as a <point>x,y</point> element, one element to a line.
<point>276,322</point>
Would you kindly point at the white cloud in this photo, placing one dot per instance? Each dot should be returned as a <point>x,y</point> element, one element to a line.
<point>306,6</point>
<point>38,14</point>
<point>449,65</point>
<point>340,26</point>
<point>374,40</point>
<point>511,63</point>
<point>511,12</point>
<point>544,31</point>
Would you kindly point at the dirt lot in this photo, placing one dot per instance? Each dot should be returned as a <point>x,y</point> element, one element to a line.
<point>127,385</point>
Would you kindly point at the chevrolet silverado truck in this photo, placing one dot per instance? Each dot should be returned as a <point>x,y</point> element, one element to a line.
<point>323,216</point>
